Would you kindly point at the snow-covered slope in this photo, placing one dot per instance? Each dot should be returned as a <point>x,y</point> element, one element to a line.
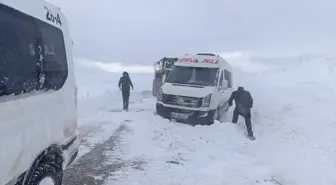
<point>98,92</point>
<point>94,79</point>
<point>293,120</point>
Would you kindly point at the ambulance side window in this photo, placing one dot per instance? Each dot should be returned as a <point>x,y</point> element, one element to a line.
<point>228,77</point>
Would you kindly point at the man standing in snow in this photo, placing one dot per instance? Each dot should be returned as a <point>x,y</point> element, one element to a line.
<point>125,85</point>
<point>244,103</point>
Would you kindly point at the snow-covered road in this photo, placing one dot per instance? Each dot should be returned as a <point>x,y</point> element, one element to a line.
<point>293,119</point>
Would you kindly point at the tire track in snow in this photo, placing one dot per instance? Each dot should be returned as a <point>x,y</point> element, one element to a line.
<point>104,159</point>
<point>93,168</point>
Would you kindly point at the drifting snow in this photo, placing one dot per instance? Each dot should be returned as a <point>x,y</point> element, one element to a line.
<point>99,95</point>
<point>296,119</point>
<point>293,120</point>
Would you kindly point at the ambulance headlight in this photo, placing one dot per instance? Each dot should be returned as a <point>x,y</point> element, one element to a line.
<point>159,95</point>
<point>206,101</point>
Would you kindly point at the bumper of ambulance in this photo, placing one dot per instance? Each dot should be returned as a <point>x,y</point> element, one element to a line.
<point>193,116</point>
<point>70,150</point>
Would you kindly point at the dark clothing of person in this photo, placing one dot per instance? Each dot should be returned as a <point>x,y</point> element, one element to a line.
<point>125,96</point>
<point>242,98</point>
<point>244,103</point>
<point>247,118</point>
<point>125,84</point>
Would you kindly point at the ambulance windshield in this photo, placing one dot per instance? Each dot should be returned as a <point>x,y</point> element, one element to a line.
<point>193,76</point>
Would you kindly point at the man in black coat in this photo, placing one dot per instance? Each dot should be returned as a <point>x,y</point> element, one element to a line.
<point>244,103</point>
<point>125,85</point>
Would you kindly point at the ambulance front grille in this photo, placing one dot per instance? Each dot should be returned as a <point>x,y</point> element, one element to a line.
<point>183,101</point>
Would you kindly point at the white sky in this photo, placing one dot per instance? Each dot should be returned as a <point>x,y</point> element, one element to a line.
<point>142,31</point>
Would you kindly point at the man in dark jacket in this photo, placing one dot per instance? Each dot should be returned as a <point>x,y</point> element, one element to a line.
<point>125,85</point>
<point>244,103</point>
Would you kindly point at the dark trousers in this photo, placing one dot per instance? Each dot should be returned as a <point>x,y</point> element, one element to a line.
<point>246,113</point>
<point>125,96</point>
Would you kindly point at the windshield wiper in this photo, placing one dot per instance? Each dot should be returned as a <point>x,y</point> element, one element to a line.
<point>190,83</point>
<point>199,83</point>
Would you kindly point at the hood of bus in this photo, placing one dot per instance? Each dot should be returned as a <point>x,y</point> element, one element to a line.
<point>187,90</point>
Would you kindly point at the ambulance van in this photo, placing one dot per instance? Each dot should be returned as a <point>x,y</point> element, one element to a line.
<point>38,94</point>
<point>197,90</point>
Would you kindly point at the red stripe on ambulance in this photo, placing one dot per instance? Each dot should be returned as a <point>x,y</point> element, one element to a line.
<point>188,60</point>
<point>210,61</point>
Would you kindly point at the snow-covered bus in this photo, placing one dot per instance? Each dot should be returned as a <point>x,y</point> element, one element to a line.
<point>38,106</point>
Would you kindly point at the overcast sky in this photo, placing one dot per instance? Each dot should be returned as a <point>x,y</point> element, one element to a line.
<point>142,31</point>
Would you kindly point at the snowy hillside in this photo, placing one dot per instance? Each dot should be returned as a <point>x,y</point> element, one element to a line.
<point>294,120</point>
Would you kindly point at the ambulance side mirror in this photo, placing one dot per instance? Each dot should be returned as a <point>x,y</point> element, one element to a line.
<point>164,78</point>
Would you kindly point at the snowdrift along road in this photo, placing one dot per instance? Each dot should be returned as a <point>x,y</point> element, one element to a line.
<point>293,119</point>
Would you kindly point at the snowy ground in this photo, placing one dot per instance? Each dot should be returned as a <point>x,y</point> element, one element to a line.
<point>294,121</point>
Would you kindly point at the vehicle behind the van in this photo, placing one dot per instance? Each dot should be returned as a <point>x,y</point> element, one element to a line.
<point>38,111</point>
<point>197,90</point>
<point>162,69</point>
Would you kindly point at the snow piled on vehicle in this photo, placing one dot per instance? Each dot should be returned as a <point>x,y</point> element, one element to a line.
<point>293,120</point>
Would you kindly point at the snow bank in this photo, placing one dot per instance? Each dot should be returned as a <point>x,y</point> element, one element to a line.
<point>174,153</point>
<point>98,91</point>
<point>294,118</point>
<point>98,88</point>
<point>95,78</point>
<point>294,123</point>
<point>99,95</point>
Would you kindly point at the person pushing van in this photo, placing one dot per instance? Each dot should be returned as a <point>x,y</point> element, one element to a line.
<point>244,103</point>
<point>125,85</point>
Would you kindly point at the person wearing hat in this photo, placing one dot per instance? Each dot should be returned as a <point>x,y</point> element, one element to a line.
<point>125,85</point>
<point>244,103</point>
